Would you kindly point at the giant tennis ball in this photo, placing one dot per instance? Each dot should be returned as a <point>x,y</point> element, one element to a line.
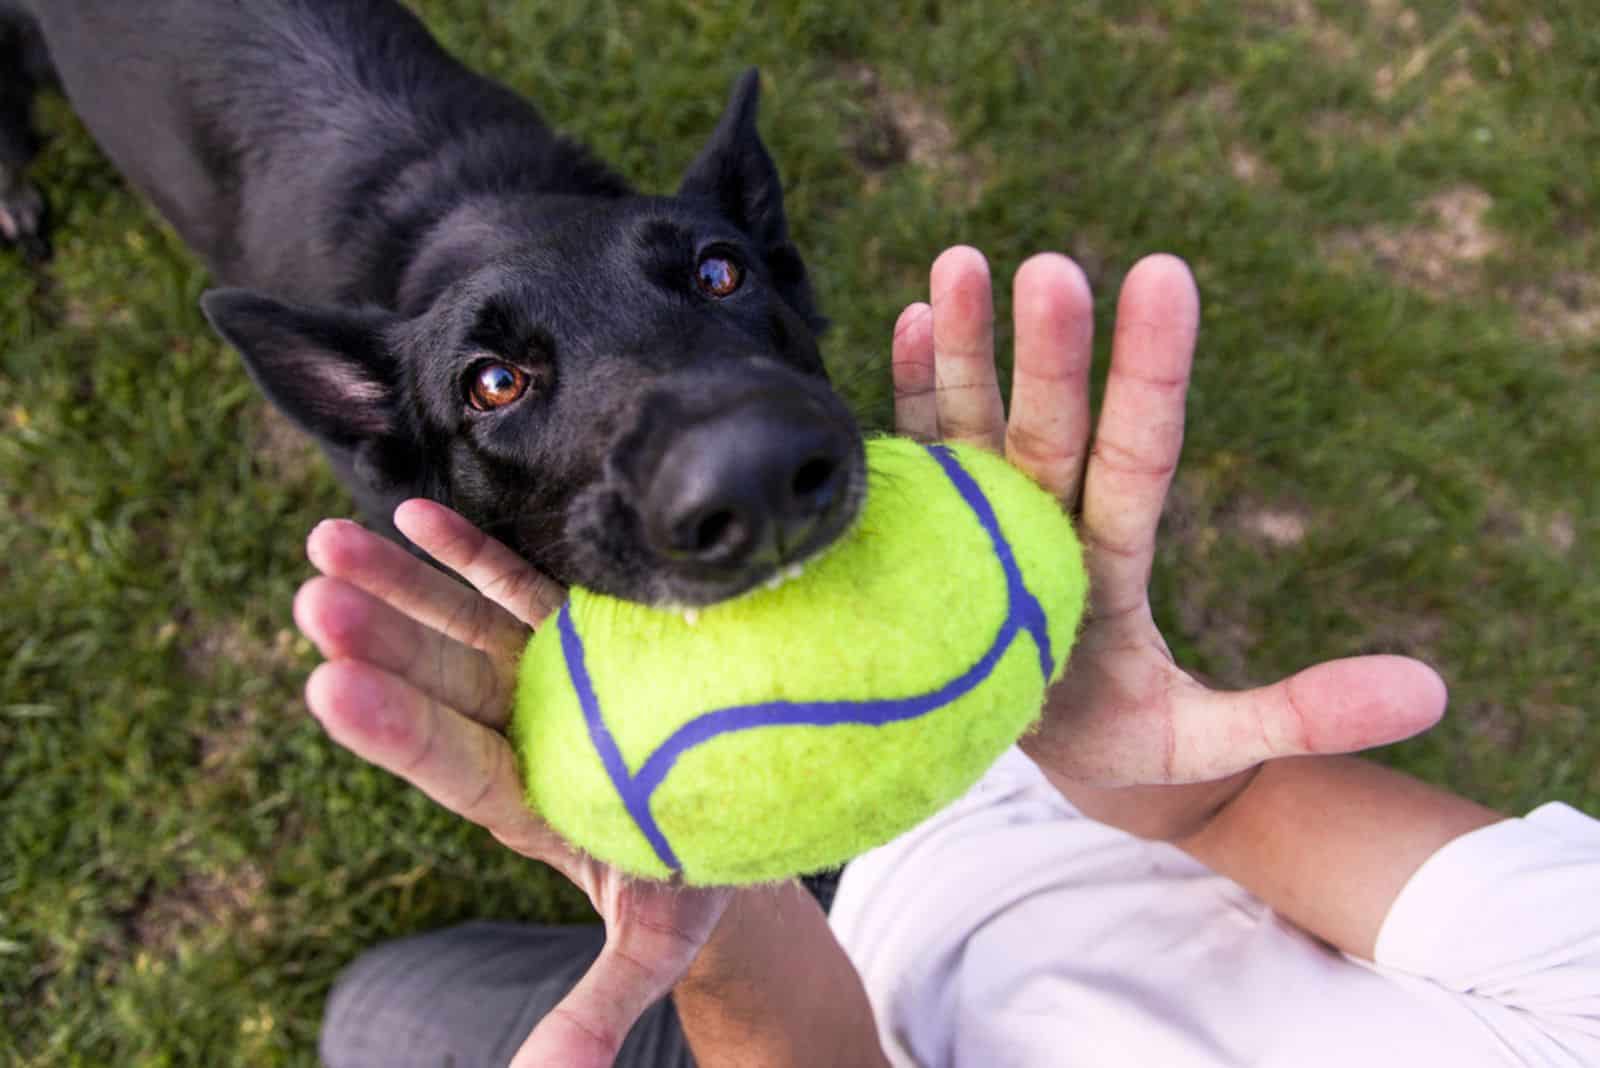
<point>790,729</point>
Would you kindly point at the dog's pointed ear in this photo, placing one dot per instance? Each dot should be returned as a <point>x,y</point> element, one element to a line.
<point>734,171</point>
<point>328,369</point>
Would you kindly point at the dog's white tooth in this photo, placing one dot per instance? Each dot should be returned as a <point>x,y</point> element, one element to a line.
<point>793,572</point>
<point>775,580</point>
<point>691,616</point>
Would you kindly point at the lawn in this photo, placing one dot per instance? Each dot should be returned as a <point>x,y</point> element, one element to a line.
<point>1393,446</point>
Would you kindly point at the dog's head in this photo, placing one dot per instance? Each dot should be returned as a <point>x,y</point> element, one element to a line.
<point>634,401</point>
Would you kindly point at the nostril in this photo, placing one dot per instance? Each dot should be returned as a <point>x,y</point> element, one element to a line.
<point>712,530</point>
<point>813,480</point>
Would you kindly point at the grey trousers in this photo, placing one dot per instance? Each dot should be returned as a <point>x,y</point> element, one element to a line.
<point>467,996</point>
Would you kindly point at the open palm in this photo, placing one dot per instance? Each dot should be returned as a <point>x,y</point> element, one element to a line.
<point>419,680</point>
<point>1125,714</point>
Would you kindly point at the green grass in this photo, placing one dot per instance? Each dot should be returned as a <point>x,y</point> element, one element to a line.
<point>1407,410</point>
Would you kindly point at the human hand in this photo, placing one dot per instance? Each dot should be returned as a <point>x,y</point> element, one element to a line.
<point>419,681</point>
<point>1125,715</point>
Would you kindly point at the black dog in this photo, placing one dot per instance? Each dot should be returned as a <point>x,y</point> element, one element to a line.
<point>457,303</point>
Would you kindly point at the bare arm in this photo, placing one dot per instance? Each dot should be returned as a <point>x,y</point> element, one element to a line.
<point>1329,842</point>
<point>773,988</point>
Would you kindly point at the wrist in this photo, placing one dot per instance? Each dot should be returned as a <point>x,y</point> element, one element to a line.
<point>772,986</point>
<point>741,942</point>
<point>1161,813</point>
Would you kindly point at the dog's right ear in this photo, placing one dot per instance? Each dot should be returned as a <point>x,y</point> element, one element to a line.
<point>329,370</point>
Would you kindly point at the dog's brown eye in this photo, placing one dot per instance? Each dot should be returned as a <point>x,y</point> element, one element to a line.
<point>495,385</point>
<point>718,276</point>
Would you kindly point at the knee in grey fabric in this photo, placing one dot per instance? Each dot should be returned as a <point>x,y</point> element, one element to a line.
<point>467,996</point>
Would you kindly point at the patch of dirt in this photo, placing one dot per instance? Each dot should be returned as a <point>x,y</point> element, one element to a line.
<point>1402,633</point>
<point>81,314</point>
<point>1339,129</point>
<point>1438,257</point>
<point>1508,520</point>
<point>1449,50</point>
<point>232,642</point>
<point>1146,26</point>
<point>1328,39</point>
<point>1273,524</point>
<point>1442,257</point>
<point>1560,533</point>
<point>1540,714</point>
<point>282,449</point>
<point>213,899</point>
<point>229,732</point>
<point>900,128</point>
<point>1250,168</point>
<point>225,741</point>
<point>1213,113</point>
<point>1216,105</point>
<point>1090,248</point>
<point>1218,625</point>
<point>1281,528</point>
<point>1493,723</point>
<point>1540,33</point>
<point>1568,309</point>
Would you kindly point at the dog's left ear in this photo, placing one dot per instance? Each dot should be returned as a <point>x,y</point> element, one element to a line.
<point>735,173</point>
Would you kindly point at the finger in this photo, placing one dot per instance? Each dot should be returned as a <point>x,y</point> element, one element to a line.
<point>494,570</point>
<point>347,623</point>
<point>963,350</point>
<point>345,550</point>
<point>464,766</point>
<point>1140,432</point>
<point>587,1028</point>
<point>1342,706</point>
<point>1047,432</point>
<point>916,404</point>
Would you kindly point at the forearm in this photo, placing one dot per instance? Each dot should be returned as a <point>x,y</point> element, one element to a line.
<point>774,988</point>
<point>1329,842</point>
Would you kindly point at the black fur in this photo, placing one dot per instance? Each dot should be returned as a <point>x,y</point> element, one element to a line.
<point>24,68</point>
<point>384,220</point>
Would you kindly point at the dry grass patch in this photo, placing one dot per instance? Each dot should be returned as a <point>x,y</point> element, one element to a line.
<point>1281,528</point>
<point>899,128</point>
<point>1566,309</point>
<point>1327,39</point>
<point>1250,168</point>
<point>1440,257</point>
<point>1333,129</point>
<point>232,730</point>
<point>229,900</point>
<point>283,450</point>
<point>1145,27</point>
<point>232,642</point>
<point>1544,526</point>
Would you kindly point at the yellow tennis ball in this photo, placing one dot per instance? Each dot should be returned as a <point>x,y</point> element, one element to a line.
<point>792,728</point>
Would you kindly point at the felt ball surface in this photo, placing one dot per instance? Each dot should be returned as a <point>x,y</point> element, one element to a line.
<point>793,728</point>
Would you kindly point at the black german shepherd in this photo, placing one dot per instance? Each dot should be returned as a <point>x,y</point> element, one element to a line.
<point>457,303</point>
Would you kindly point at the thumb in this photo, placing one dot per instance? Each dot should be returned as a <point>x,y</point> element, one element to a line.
<point>587,1028</point>
<point>1338,707</point>
<point>654,931</point>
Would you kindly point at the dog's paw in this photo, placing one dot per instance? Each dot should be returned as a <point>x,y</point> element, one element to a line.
<point>24,220</point>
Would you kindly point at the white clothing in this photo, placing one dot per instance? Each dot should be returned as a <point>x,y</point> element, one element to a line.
<point>1009,930</point>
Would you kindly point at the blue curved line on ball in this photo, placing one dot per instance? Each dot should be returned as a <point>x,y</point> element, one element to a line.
<point>1023,613</point>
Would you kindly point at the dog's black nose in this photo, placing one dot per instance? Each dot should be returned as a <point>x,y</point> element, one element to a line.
<point>748,490</point>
